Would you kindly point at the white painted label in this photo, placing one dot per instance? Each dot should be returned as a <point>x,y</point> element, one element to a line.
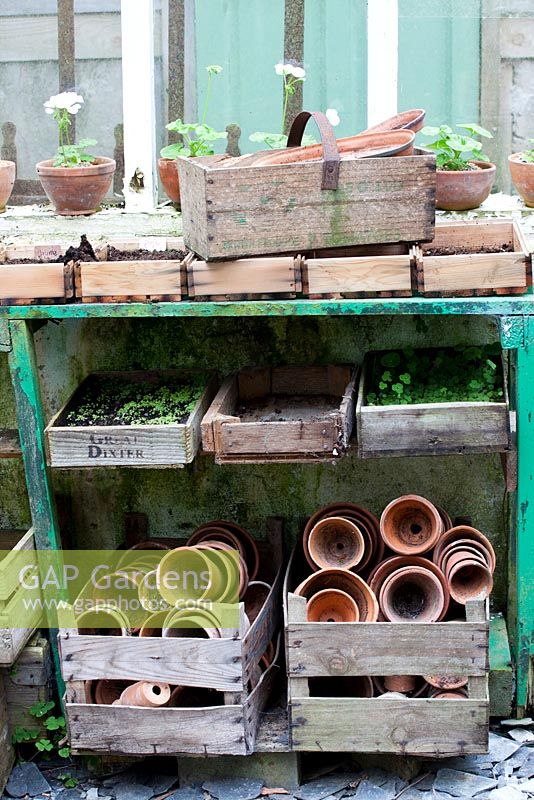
<point>47,252</point>
<point>153,243</point>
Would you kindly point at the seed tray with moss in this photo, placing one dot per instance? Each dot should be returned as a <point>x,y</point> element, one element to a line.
<point>433,402</point>
<point>136,419</point>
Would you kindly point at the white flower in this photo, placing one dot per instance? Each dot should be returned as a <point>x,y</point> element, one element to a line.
<point>283,69</point>
<point>298,72</point>
<point>68,101</point>
<point>332,116</point>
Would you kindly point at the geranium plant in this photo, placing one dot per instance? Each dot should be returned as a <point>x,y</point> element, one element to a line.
<point>528,155</point>
<point>196,137</point>
<point>455,151</point>
<point>63,107</point>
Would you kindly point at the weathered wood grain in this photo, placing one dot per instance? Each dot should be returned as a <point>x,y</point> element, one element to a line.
<point>7,752</point>
<point>408,727</point>
<point>9,443</point>
<point>31,281</point>
<point>239,211</point>
<point>476,271</point>
<point>245,276</point>
<point>130,279</point>
<point>214,663</point>
<point>359,274</point>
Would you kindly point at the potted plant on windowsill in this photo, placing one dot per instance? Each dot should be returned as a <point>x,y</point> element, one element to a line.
<point>522,172</point>
<point>196,140</point>
<point>464,175</point>
<point>74,181</point>
<point>7,180</point>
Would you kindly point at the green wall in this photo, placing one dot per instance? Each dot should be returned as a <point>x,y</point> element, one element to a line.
<point>178,500</point>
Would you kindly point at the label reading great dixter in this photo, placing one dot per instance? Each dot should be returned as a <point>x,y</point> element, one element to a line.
<point>124,448</point>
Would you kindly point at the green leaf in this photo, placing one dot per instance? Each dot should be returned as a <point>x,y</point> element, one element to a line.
<point>406,378</point>
<point>214,69</point>
<point>44,745</point>
<point>476,130</point>
<point>64,752</point>
<point>40,709</point>
<point>54,723</point>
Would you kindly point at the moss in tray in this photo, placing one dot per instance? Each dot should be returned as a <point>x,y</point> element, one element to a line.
<point>120,401</point>
<point>457,374</point>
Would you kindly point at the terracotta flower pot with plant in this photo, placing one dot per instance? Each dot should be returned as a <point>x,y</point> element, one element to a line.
<point>464,175</point>
<point>522,172</point>
<point>7,180</point>
<point>74,181</point>
<point>195,140</point>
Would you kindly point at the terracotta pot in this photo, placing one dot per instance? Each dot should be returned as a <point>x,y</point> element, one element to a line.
<point>149,694</point>
<point>470,580</point>
<point>153,625</point>
<point>407,120</point>
<point>446,682</point>
<point>347,582</point>
<point>342,686</point>
<point>168,173</point>
<point>198,623</point>
<point>107,691</point>
<point>466,546</point>
<point>412,594</point>
<point>460,190</point>
<point>458,557</point>
<point>7,180</point>
<point>255,597</point>
<point>463,532</point>
<point>332,605</point>
<point>411,525</point>
<point>386,568</point>
<point>226,574</point>
<point>247,545</point>
<point>523,178</point>
<point>420,689</point>
<point>364,145</point>
<point>445,518</point>
<point>367,523</point>
<point>75,191</point>
<point>458,695</point>
<point>335,543</point>
<point>102,622</point>
<point>176,696</point>
<point>195,567</point>
<point>400,683</point>
<point>234,566</point>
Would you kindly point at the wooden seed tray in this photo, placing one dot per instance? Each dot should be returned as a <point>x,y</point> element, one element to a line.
<point>319,433</point>
<point>35,283</point>
<point>15,546</point>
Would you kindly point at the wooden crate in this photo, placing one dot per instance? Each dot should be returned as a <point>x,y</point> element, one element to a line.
<point>7,751</point>
<point>409,726</point>
<point>239,211</point>
<point>475,273</point>
<point>127,445</point>
<point>365,271</point>
<point>15,547</point>
<point>35,283</point>
<point>225,664</point>
<point>244,278</point>
<point>105,281</point>
<point>431,428</point>
<point>28,681</point>
<point>324,436</point>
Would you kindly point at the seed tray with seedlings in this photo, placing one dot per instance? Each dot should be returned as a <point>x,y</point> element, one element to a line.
<point>281,414</point>
<point>480,257</point>
<point>435,401</point>
<point>137,419</point>
<point>324,714</point>
<point>225,695</point>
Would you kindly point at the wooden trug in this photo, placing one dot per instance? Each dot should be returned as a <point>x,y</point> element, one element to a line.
<point>224,664</point>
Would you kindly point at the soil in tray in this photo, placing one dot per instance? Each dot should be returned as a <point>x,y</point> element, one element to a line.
<point>85,252</point>
<point>119,401</point>
<point>458,250</point>
<point>288,408</point>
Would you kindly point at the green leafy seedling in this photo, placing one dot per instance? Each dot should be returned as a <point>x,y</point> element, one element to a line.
<point>455,151</point>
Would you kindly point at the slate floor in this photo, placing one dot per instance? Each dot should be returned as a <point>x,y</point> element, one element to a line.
<point>506,773</point>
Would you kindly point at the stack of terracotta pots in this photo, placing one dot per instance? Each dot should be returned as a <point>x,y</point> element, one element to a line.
<point>168,610</point>
<point>412,565</point>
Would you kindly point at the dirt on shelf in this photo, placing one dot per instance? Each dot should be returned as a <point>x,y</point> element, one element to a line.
<point>288,408</point>
<point>85,252</point>
<point>458,250</point>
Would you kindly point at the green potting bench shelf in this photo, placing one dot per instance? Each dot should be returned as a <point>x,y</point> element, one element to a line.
<point>515,317</point>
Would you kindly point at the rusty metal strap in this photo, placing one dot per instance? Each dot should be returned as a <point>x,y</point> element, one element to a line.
<point>328,138</point>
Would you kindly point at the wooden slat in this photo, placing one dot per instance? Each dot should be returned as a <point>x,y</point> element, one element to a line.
<point>131,278</point>
<point>156,731</point>
<point>474,271</point>
<point>345,275</point>
<point>234,212</point>
<point>388,649</point>
<point>473,234</point>
<point>9,444</point>
<point>31,281</point>
<point>250,276</point>
<point>278,437</point>
<point>214,663</point>
<point>21,547</point>
<point>223,403</point>
<point>408,726</point>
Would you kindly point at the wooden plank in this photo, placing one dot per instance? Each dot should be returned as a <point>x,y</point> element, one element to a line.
<point>472,234</point>
<point>19,545</point>
<point>7,752</point>
<point>9,443</point>
<point>131,278</point>
<point>31,281</point>
<point>388,649</point>
<point>408,726</point>
<point>156,731</point>
<point>223,403</point>
<point>476,271</point>
<point>372,274</point>
<point>243,211</point>
<point>213,663</point>
<point>250,276</point>
<point>279,437</point>
<point>33,666</point>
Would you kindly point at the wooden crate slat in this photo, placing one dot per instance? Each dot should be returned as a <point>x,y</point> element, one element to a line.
<point>474,271</point>
<point>31,281</point>
<point>9,443</point>
<point>130,278</point>
<point>393,649</point>
<point>248,276</point>
<point>234,212</point>
<point>346,275</point>
<point>278,437</point>
<point>418,726</point>
<point>471,234</point>
<point>192,662</point>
